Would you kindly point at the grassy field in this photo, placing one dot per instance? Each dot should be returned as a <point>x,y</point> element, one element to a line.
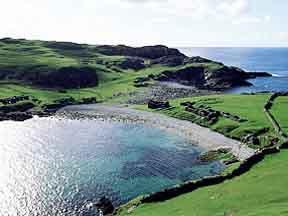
<point>279,111</point>
<point>249,107</point>
<point>21,57</point>
<point>257,192</point>
<point>26,62</point>
<point>260,191</point>
<point>109,90</point>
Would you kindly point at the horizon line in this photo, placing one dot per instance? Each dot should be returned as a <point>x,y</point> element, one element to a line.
<point>151,44</point>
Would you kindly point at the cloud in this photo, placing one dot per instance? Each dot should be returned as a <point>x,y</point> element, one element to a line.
<point>232,11</point>
<point>140,22</point>
<point>250,19</point>
<point>144,1</point>
<point>282,35</point>
<point>233,7</point>
<point>199,7</point>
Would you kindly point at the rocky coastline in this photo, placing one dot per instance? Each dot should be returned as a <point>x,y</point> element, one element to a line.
<point>202,77</point>
<point>21,110</point>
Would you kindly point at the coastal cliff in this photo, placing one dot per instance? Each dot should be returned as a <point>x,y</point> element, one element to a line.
<point>49,71</point>
<point>71,66</point>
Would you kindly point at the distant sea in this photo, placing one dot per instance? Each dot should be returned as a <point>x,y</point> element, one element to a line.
<point>272,60</point>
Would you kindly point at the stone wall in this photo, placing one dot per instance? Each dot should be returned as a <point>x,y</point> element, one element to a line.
<point>207,181</point>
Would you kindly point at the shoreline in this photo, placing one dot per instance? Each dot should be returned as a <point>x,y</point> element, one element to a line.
<point>200,136</point>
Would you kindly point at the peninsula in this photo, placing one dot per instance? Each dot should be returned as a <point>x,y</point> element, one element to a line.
<point>56,74</point>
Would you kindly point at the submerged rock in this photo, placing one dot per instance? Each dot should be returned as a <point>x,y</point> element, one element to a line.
<point>105,205</point>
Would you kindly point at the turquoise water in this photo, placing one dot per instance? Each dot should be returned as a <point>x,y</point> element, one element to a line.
<point>272,60</point>
<point>60,167</point>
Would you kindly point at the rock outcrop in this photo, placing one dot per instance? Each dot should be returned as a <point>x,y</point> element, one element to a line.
<point>62,78</point>
<point>253,75</point>
<point>105,206</point>
<point>58,104</point>
<point>149,52</point>
<point>15,116</point>
<point>132,63</point>
<point>171,60</point>
<point>16,112</point>
<point>14,99</point>
<point>188,76</point>
<point>218,77</point>
<point>64,45</point>
<point>20,107</point>
<point>152,104</point>
<point>198,59</point>
<point>226,77</point>
<point>68,77</point>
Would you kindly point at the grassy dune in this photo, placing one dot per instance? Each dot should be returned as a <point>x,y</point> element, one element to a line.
<point>261,191</point>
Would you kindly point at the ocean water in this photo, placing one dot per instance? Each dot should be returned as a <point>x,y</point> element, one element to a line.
<point>53,166</point>
<point>272,60</point>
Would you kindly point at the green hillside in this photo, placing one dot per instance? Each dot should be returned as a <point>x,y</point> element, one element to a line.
<point>279,110</point>
<point>42,69</point>
<point>247,107</point>
<point>259,191</point>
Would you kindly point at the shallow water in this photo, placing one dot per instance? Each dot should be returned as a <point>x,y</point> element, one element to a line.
<point>272,60</point>
<point>59,167</point>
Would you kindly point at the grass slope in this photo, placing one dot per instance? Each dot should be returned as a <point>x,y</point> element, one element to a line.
<point>22,57</point>
<point>109,90</point>
<point>261,191</point>
<point>23,62</point>
<point>249,107</point>
<point>279,111</point>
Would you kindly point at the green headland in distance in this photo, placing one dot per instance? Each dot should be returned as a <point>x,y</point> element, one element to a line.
<point>52,70</point>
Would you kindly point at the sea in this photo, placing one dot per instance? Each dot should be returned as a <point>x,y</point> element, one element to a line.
<point>260,59</point>
<point>62,167</point>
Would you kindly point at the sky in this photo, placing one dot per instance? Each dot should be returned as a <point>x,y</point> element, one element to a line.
<point>148,22</point>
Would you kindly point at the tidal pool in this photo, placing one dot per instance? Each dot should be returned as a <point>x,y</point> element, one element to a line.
<point>53,166</point>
